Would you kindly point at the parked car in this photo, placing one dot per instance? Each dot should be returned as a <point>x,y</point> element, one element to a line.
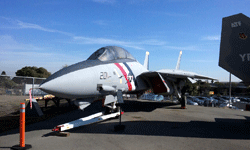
<point>189,102</point>
<point>235,99</point>
<point>203,99</point>
<point>221,100</point>
<point>224,105</point>
<point>194,99</point>
<point>244,99</point>
<point>208,102</point>
<point>152,97</point>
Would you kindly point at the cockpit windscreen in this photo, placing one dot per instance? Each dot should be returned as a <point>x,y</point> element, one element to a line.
<point>111,53</point>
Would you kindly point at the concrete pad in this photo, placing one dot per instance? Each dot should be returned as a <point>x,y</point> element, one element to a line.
<point>149,125</point>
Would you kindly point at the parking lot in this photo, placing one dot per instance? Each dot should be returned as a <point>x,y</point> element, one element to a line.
<point>149,125</point>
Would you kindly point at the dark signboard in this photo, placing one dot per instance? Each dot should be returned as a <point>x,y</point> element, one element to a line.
<point>235,46</point>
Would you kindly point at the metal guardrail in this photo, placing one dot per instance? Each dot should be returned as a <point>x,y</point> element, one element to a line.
<point>19,85</point>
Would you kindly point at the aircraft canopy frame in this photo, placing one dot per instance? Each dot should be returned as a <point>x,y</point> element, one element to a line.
<point>110,53</point>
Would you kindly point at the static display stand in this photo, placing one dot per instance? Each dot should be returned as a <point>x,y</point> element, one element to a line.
<point>35,111</point>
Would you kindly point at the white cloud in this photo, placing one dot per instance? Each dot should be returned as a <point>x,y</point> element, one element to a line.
<point>8,43</point>
<point>87,40</point>
<point>107,41</point>
<point>26,54</point>
<point>11,48</point>
<point>104,41</point>
<point>15,55</point>
<point>211,38</point>
<point>17,24</point>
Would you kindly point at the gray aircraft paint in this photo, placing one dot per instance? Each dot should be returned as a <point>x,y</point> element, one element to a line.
<point>235,46</point>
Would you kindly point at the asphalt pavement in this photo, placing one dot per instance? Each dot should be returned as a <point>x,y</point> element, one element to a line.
<point>148,125</point>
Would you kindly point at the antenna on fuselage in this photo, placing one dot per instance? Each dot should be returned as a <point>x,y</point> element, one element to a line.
<point>179,61</point>
<point>146,60</point>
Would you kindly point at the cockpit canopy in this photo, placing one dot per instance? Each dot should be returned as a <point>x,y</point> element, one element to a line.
<point>110,53</point>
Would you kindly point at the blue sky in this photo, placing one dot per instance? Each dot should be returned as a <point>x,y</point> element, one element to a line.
<point>51,34</point>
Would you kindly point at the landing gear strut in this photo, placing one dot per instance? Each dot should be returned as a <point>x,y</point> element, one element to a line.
<point>180,93</point>
<point>183,102</point>
<point>183,98</point>
<point>120,102</point>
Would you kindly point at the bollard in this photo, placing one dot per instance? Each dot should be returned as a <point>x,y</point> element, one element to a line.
<point>22,144</point>
<point>22,125</point>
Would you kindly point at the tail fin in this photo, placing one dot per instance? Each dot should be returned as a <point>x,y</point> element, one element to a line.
<point>178,62</point>
<point>146,60</point>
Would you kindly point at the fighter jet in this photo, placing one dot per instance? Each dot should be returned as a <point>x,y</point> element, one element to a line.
<point>111,70</point>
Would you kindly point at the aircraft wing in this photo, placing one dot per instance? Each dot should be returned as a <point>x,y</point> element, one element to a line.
<point>165,80</point>
<point>173,73</point>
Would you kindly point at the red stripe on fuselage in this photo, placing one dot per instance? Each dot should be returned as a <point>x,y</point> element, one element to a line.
<point>125,75</point>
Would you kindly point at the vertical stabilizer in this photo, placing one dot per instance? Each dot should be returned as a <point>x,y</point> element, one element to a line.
<point>178,62</point>
<point>146,60</point>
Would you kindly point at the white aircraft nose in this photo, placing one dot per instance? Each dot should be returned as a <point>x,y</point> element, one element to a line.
<point>75,84</point>
<point>48,87</point>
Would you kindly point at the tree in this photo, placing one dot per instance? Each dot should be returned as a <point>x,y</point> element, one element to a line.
<point>191,88</point>
<point>6,82</point>
<point>3,73</point>
<point>33,72</point>
<point>197,88</point>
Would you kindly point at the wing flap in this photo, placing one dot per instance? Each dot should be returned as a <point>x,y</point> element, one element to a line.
<point>156,81</point>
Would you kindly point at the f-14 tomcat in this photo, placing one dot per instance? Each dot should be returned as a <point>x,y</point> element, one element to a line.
<point>110,69</point>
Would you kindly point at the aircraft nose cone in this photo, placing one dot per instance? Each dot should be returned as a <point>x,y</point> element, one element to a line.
<point>48,87</point>
<point>74,84</point>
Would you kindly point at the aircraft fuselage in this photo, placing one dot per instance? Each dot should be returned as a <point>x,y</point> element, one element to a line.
<point>85,79</point>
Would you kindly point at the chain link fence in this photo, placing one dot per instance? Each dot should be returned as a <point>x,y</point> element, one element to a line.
<point>20,86</point>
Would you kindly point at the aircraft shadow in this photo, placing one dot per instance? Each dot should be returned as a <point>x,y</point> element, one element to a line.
<point>65,114</point>
<point>145,105</point>
<point>221,128</point>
